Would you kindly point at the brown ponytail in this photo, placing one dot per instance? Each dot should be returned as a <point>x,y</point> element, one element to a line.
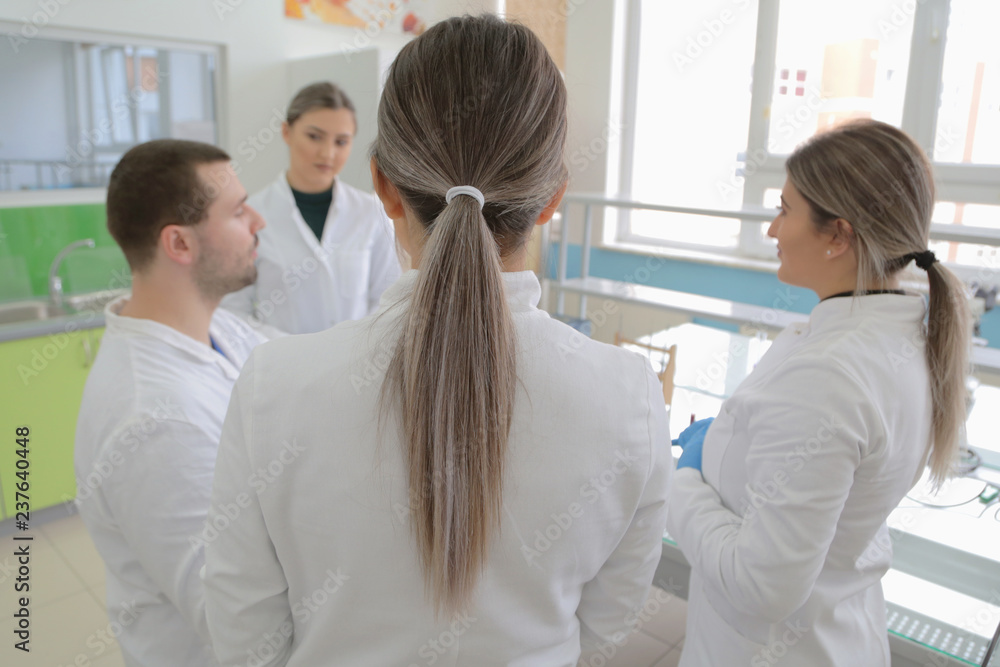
<point>473,101</point>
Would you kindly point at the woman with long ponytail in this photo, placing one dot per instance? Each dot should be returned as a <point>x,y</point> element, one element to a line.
<point>474,481</point>
<point>781,502</point>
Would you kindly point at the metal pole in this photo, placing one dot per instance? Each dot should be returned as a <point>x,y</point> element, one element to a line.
<point>588,224</point>
<point>563,252</point>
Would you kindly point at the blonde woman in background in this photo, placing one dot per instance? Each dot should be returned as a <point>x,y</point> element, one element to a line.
<point>783,515</point>
<point>328,251</point>
<point>464,480</point>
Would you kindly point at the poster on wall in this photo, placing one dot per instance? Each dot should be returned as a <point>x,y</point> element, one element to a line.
<point>403,16</point>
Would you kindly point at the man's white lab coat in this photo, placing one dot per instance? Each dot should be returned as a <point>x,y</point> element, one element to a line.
<point>323,549</point>
<point>304,285</point>
<point>786,534</point>
<point>146,441</point>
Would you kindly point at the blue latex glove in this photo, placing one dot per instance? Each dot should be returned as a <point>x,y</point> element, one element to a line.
<point>693,433</point>
<point>691,440</point>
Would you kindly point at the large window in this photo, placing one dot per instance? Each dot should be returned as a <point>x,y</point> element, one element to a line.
<point>684,87</point>
<point>724,90</point>
<point>83,102</point>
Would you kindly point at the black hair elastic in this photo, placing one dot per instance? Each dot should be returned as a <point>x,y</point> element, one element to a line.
<point>923,259</point>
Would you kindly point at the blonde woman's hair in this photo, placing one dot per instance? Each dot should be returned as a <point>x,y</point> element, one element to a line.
<point>877,178</point>
<point>473,101</point>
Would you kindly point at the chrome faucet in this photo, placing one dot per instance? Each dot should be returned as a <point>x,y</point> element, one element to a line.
<point>55,282</point>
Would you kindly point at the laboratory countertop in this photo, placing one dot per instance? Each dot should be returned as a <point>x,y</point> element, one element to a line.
<point>33,318</point>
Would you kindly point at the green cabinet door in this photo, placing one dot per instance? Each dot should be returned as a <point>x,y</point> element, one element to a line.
<point>41,386</point>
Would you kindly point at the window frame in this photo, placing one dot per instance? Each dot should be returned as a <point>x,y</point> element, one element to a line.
<point>74,36</point>
<point>968,183</point>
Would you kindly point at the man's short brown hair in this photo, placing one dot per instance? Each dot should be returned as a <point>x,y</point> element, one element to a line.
<point>156,184</point>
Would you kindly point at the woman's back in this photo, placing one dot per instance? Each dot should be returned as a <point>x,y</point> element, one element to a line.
<point>587,468</point>
<point>460,456</point>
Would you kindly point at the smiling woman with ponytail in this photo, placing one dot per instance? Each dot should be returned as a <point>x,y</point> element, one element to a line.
<point>784,516</point>
<point>475,478</point>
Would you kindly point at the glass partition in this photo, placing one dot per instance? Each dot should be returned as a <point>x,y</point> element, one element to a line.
<point>81,104</point>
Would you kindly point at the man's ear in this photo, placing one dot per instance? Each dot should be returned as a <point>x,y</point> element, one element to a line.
<point>387,192</point>
<point>178,244</point>
<point>553,205</point>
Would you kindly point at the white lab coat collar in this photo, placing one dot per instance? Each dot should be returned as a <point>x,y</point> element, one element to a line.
<point>126,326</point>
<point>522,290</point>
<point>842,310</point>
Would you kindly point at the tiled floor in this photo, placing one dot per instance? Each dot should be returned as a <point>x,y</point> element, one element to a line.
<point>69,625</point>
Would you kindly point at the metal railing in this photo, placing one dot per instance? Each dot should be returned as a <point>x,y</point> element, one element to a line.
<point>939,232</point>
<point>589,201</point>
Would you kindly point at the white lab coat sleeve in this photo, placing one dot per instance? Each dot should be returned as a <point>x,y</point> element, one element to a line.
<point>159,497</point>
<point>246,592</point>
<point>385,266</point>
<point>610,601</point>
<point>808,431</point>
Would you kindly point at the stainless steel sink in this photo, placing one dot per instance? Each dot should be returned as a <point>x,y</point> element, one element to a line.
<point>29,311</point>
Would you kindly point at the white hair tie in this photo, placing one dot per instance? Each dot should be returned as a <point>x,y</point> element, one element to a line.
<point>465,190</point>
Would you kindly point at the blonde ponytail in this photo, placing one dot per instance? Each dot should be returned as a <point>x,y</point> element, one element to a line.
<point>947,352</point>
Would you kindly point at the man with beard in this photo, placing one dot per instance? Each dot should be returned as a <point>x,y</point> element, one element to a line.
<point>157,395</point>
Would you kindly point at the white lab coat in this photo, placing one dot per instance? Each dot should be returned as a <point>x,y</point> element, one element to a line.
<point>146,441</point>
<point>786,533</point>
<point>304,286</point>
<point>323,549</point>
